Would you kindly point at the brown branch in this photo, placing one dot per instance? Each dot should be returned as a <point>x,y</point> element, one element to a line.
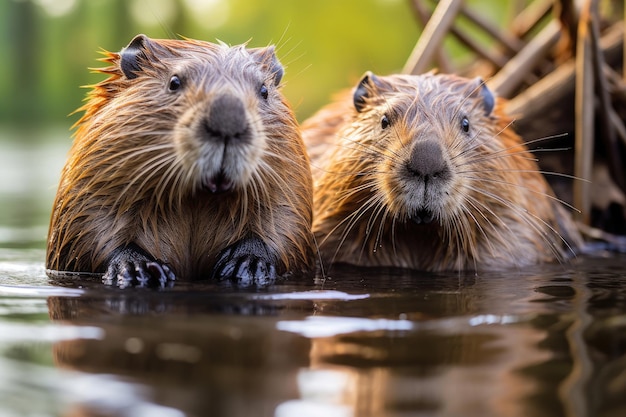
<point>528,20</point>
<point>498,60</point>
<point>432,36</point>
<point>583,163</point>
<point>511,76</point>
<point>423,15</point>
<point>510,42</point>
<point>565,11</point>
<point>607,127</point>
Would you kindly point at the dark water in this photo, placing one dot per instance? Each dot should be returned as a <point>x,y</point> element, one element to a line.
<point>548,341</point>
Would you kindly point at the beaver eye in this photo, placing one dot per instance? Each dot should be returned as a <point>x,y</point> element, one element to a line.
<point>384,122</point>
<point>264,92</point>
<point>465,124</point>
<point>175,83</point>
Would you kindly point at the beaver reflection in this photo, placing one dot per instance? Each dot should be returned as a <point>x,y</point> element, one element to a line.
<point>205,355</point>
<point>368,342</point>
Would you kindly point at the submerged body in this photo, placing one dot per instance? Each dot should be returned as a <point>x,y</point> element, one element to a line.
<point>425,172</point>
<point>179,169</point>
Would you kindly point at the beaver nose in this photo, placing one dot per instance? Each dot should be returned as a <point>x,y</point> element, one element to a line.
<point>427,163</point>
<point>226,121</point>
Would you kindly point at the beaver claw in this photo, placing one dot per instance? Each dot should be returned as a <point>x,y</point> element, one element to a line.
<point>245,263</point>
<point>129,267</point>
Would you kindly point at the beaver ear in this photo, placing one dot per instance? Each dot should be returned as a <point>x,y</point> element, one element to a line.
<point>489,100</point>
<point>364,89</point>
<point>133,54</point>
<point>267,57</point>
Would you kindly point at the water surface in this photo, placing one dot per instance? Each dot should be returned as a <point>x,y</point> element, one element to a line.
<point>547,341</point>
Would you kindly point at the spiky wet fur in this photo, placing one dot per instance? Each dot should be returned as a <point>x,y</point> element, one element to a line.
<point>498,211</point>
<point>129,179</point>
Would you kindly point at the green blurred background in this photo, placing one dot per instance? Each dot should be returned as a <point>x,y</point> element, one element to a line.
<point>48,45</point>
<point>325,45</point>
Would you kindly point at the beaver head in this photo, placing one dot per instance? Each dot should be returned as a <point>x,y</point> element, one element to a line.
<point>426,172</point>
<point>215,101</point>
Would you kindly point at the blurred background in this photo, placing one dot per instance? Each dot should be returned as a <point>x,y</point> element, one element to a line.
<point>48,45</point>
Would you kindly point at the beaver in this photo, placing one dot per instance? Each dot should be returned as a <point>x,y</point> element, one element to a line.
<point>425,172</point>
<point>186,163</point>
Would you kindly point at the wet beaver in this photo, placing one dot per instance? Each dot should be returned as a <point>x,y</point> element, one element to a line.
<point>425,172</point>
<point>187,162</point>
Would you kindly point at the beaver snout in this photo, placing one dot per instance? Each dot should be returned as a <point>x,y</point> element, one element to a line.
<point>428,174</point>
<point>225,137</point>
<point>427,163</point>
<point>226,121</point>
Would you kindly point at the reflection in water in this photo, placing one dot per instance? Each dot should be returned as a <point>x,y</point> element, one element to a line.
<point>196,353</point>
<point>446,366</point>
<point>543,342</point>
<point>323,392</point>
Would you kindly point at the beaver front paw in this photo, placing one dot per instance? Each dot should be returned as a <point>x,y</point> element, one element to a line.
<point>130,267</point>
<point>245,263</point>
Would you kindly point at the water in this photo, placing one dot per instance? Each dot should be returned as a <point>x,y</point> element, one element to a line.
<point>545,341</point>
<point>548,341</point>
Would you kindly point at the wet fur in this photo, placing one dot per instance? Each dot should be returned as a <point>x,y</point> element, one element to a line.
<point>497,211</point>
<point>135,172</point>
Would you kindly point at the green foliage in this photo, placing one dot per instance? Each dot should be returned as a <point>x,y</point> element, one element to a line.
<point>325,45</point>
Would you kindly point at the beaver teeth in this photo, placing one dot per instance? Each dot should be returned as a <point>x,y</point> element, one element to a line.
<point>423,216</point>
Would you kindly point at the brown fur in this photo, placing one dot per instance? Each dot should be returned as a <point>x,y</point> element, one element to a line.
<point>137,174</point>
<point>496,210</point>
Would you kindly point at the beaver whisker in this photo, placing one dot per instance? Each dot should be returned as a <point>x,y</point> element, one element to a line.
<point>357,172</point>
<point>262,193</point>
<point>370,148</point>
<point>171,180</point>
<point>111,164</point>
<point>498,155</point>
<point>133,152</point>
<point>377,206</point>
<point>246,208</point>
<point>349,192</point>
<point>479,159</point>
<point>479,144</point>
<point>458,230</point>
<point>394,219</point>
<point>473,148</point>
<point>476,205</point>
<point>381,226</point>
<point>267,174</point>
<point>550,173</point>
<point>369,151</point>
<point>467,97</point>
<point>492,180</point>
<point>524,145</point>
<point>152,167</point>
<point>99,183</point>
<point>175,197</point>
<point>373,216</point>
<point>346,222</point>
<point>266,169</point>
<point>542,139</point>
<point>350,221</point>
<point>521,153</point>
<point>531,220</point>
<point>368,145</point>
<point>191,176</point>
